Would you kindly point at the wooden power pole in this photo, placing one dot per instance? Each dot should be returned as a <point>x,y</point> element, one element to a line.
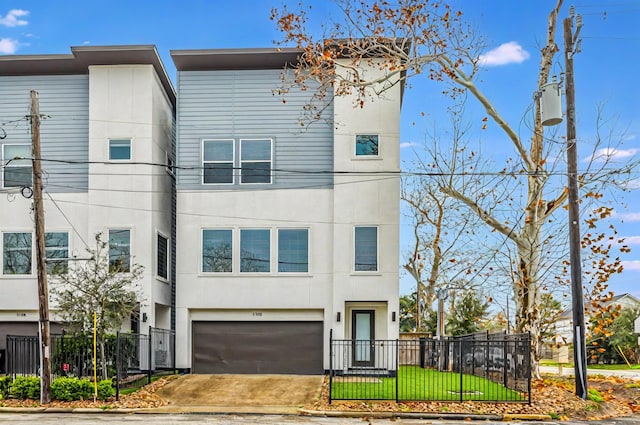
<point>41,265</point>
<point>579,344</point>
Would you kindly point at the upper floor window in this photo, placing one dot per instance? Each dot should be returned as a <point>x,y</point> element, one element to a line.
<point>57,252</point>
<point>119,149</point>
<point>16,253</point>
<point>293,250</point>
<point>162,257</point>
<point>217,161</point>
<point>255,250</point>
<point>366,248</point>
<point>367,145</point>
<point>120,250</point>
<point>17,172</point>
<point>255,160</point>
<point>217,251</point>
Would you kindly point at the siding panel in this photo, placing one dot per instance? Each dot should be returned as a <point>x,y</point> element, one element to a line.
<point>64,101</point>
<point>241,104</point>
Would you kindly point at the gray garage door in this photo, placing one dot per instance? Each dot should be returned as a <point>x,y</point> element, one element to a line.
<point>257,347</point>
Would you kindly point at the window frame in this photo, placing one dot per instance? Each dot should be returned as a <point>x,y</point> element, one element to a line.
<point>4,251</point>
<point>12,164</point>
<point>269,254</point>
<point>241,162</point>
<point>167,257</point>
<point>356,268</point>
<point>52,260</point>
<point>203,161</point>
<point>129,255</point>
<point>120,139</point>
<point>366,156</point>
<point>278,258</point>
<point>202,240</point>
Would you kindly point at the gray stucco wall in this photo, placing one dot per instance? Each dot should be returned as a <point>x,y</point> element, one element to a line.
<point>64,130</point>
<point>241,104</point>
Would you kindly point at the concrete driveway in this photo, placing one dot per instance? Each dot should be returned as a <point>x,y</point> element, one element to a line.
<point>242,390</point>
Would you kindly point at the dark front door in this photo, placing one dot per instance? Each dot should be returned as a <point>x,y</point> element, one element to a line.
<point>363,347</point>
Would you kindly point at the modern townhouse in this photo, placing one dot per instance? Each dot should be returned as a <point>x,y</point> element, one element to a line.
<point>108,116</point>
<point>286,233</point>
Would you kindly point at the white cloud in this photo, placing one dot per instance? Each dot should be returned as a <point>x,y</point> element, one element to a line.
<point>8,46</point>
<point>405,145</point>
<point>11,19</point>
<point>612,154</point>
<point>633,265</point>
<point>504,54</point>
<point>628,217</point>
<point>631,240</point>
<point>633,184</point>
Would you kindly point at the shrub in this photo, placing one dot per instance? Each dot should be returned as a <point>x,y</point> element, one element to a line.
<point>105,389</point>
<point>70,389</point>
<point>5,386</point>
<point>26,387</point>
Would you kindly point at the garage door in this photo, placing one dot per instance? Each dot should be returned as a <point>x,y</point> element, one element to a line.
<point>257,347</point>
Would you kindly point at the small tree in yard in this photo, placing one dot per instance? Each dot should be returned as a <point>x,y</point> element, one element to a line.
<point>103,284</point>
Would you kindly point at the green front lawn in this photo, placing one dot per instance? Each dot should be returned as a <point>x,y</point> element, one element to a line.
<point>415,383</point>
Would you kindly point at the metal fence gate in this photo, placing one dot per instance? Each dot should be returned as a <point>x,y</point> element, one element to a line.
<point>479,367</point>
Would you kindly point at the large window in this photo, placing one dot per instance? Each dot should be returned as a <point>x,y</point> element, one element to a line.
<point>217,251</point>
<point>367,145</point>
<point>293,250</point>
<point>120,250</point>
<point>217,161</point>
<point>162,257</point>
<point>57,252</point>
<point>255,161</point>
<point>16,253</point>
<point>366,248</point>
<point>255,250</point>
<point>17,172</point>
<point>119,149</point>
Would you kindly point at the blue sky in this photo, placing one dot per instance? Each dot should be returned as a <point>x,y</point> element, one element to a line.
<point>606,71</point>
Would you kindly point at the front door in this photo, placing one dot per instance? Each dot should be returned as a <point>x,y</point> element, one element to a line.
<point>363,337</point>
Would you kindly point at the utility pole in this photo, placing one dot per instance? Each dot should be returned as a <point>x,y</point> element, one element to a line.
<point>41,265</point>
<point>571,47</point>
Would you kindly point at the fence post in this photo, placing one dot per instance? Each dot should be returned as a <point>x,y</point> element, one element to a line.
<point>330,363</point>
<point>460,368</point>
<point>118,365</point>
<point>150,343</point>
<point>505,366</point>
<point>528,365</point>
<point>397,369</point>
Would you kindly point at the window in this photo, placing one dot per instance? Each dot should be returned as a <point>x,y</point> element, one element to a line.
<point>16,253</point>
<point>217,251</point>
<point>293,250</point>
<point>255,161</point>
<point>162,257</point>
<point>255,250</point>
<point>119,149</point>
<point>217,161</point>
<point>120,250</point>
<point>17,172</point>
<point>56,247</point>
<point>366,249</point>
<point>366,145</point>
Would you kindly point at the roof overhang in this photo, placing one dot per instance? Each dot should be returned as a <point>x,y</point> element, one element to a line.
<point>82,57</point>
<point>234,59</point>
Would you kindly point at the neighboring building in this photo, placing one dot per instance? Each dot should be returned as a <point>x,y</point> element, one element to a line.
<point>108,116</point>
<point>285,232</point>
<point>564,324</point>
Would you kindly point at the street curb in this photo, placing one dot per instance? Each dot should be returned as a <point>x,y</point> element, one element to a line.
<point>525,417</point>
<point>402,415</point>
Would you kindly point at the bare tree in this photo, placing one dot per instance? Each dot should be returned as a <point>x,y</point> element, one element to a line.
<point>411,38</point>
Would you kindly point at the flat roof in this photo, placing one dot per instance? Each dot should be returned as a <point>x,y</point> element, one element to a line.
<point>234,59</point>
<point>82,57</point>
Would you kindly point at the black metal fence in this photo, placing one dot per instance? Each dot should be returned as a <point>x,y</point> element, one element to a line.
<point>129,357</point>
<point>479,367</point>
